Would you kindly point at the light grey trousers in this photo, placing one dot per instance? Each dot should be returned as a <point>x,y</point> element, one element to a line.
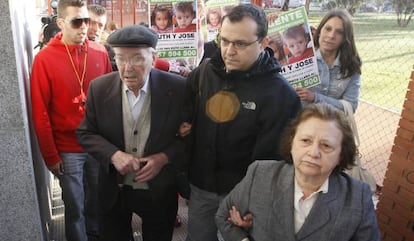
<point>202,209</point>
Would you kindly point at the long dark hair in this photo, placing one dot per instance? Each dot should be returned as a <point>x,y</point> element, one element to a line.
<point>350,60</point>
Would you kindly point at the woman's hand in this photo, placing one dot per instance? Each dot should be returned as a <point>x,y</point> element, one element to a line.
<point>235,218</point>
<point>305,94</point>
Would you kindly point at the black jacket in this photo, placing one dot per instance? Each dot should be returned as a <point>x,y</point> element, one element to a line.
<point>222,150</point>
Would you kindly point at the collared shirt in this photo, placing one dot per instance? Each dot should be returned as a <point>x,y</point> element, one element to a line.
<point>135,102</point>
<point>303,205</point>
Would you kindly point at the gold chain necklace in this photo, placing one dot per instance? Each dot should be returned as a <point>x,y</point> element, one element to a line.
<point>81,99</point>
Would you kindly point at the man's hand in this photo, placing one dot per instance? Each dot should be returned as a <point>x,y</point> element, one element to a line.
<point>150,166</point>
<point>184,71</point>
<point>56,169</point>
<point>125,162</point>
<point>185,129</point>
<point>305,94</point>
<point>235,218</point>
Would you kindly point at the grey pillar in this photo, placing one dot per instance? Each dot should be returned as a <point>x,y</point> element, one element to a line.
<point>20,215</point>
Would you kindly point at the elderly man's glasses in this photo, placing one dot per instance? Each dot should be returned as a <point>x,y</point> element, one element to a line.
<point>136,60</point>
<point>238,44</point>
<point>77,22</point>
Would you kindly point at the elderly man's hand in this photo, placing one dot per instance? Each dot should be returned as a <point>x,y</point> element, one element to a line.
<point>124,162</point>
<point>150,167</point>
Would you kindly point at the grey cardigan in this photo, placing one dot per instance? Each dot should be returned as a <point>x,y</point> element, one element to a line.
<point>345,213</point>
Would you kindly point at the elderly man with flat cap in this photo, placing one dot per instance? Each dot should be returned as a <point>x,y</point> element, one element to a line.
<point>131,124</point>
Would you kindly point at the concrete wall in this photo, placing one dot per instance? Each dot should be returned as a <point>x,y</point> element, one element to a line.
<point>24,196</point>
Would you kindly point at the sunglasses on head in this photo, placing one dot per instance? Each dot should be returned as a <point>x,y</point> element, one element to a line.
<point>77,22</point>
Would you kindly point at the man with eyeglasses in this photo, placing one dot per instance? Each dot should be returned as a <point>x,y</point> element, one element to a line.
<point>60,78</point>
<point>241,105</point>
<point>131,124</point>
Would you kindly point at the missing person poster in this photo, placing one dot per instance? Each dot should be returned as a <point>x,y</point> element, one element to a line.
<point>176,23</point>
<point>214,11</point>
<point>291,39</point>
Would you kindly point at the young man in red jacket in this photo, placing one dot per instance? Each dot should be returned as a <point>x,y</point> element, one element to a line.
<point>61,74</point>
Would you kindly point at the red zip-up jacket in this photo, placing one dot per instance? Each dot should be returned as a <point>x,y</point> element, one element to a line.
<point>54,87</point>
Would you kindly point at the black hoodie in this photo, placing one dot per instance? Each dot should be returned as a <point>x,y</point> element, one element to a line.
<point>239,117</point>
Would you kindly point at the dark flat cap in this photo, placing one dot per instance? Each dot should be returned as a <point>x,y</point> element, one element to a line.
<point>133,36</point>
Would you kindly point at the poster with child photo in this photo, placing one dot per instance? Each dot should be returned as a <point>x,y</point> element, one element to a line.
<point>215,10</point>
<point>175,22</point>
<point>292,43</point>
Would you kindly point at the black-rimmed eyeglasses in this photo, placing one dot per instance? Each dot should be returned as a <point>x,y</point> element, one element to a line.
<point>238,44</point>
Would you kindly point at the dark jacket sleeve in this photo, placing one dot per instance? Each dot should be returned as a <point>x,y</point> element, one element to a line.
<point>368,227</point>
<point>238,197</point>
<point>100,132</point>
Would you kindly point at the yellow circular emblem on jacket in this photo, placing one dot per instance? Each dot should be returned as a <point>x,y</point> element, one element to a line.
<point>223,106</point>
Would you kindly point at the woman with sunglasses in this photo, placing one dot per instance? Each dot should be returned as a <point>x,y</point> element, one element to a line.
<point>61,74</point>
